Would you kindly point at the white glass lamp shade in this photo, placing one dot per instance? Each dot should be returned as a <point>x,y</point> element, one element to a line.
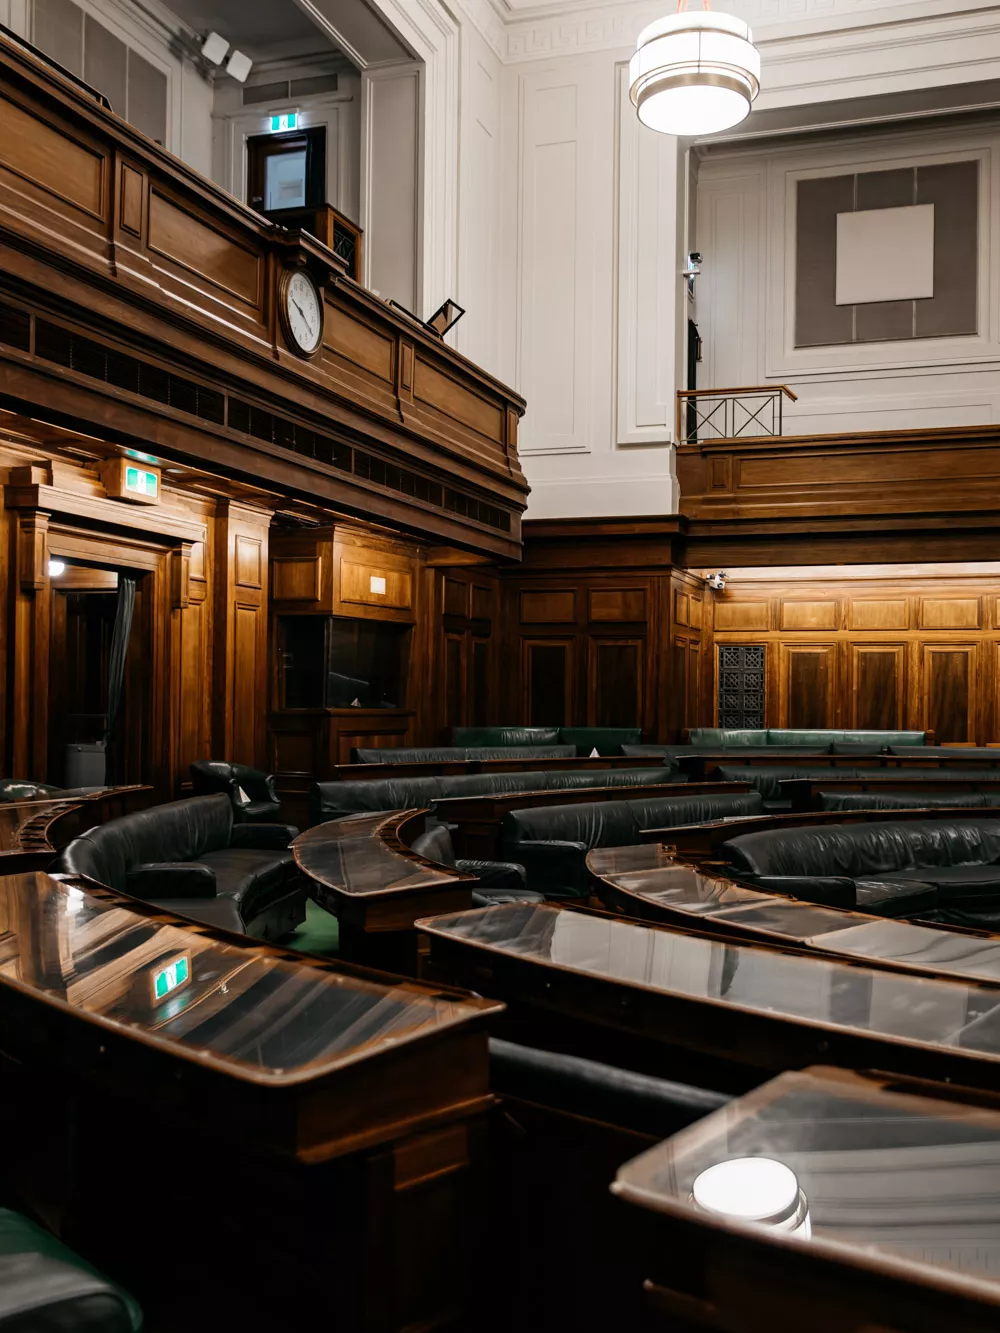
<point>754,1189</point>
<point>694,73</point>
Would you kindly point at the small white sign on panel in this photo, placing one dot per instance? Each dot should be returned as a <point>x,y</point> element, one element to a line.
<point>885,254</point>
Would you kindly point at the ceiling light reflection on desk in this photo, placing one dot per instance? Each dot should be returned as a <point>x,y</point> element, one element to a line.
<point>754,1189</point>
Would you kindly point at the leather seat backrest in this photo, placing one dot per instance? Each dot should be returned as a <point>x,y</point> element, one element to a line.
<point>177,831</point>
<point>501,784</point>
<point>860,850</point>
<point>673,811</point>
<point>493,736</point>
<point>435,844</point>
<point>605,740</point>
<point>946,752</point>
<point>827,735</point>
<point>594,823</point>
<point>898,800</point>
<point>723,737</point>
<point>452,754</point>
<point>211,775</point>
<point>335,800</point>
<point>766,779</point>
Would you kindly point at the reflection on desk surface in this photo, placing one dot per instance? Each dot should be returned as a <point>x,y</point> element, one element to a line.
<point>746,976</point>
<point>349,855</point>
<point>17,817</point>
<point>261,1016</point>
<point>899,1174</point>
<point>681,888</point>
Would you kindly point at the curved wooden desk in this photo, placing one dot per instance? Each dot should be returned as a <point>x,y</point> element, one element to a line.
<point>269,1116</point>
<point>31,832</point>
<point>902,1187</point>
<point>728,1012</point>
<point>649,883</point>
<point>364,873</point>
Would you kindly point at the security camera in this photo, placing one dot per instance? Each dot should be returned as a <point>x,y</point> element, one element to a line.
<point>717,581</point>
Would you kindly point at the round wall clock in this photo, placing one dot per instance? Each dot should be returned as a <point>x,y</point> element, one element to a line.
<point>301,307</point>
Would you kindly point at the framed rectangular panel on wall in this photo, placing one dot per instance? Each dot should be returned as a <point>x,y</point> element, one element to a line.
<point>454,679</point>
<point>614,682</point>
<point>948,695</point>
<point>807,690</point>
<point>878,692</point>
<point>546,674</point>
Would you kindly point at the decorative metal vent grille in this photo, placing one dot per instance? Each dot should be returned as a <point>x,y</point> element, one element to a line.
<point>741,685</point>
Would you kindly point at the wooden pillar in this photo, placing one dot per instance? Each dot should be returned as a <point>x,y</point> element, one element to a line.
<point>29,674</point>
<point>239,677</point>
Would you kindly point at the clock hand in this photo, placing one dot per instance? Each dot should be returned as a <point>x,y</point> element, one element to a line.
<point>299,309</point>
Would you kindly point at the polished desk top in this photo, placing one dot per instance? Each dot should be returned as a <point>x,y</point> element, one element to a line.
<point>361,855</point>
<point>888,1175</point>
<point>651,876</point>
<point>247,1010</point>
<point>748,978</point>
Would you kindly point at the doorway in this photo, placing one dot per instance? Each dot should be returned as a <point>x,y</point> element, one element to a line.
<point>286,171</point>
<point>83,749</point>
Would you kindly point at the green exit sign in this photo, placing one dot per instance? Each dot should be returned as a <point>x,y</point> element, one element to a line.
<point>140,482</point>
<point>165,980</point>
<point>289,121</point>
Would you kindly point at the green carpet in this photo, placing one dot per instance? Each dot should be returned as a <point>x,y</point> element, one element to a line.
<point>319,933</point>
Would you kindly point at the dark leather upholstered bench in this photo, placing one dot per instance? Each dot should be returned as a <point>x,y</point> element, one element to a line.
<point>444,754</point>
<point>252,794</point>
<point>552,842</point>
<point>638,1102</point>
<point>605,740</point>
<point>499,881</point>
<point>957,857</point>
<point>907,800</point>
<point>46,1288</point>
<point>336,800</point>
<point>191,858</point>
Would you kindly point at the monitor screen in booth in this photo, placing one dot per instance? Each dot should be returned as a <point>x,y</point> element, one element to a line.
<point>335,662</point>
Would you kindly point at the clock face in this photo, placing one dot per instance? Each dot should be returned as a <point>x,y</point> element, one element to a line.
<point>303,311</point>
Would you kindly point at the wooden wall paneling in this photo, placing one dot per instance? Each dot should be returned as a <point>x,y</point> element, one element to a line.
<point>30,645</point>
<point>548,670</point>
<point>950,613</point>
<point>808,688</point>
<point>876,677</point>
<point>374,578</point>
<point>615,681</point>
<point>949,683</point>
<point>240,671</point>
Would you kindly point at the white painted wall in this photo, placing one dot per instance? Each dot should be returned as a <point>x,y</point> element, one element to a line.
<point>390,182</point>
<point>745,297</point>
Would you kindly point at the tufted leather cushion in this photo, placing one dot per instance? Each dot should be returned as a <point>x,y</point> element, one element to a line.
<point>499,881</point>
<point>494,736</point>
<point>828,735</point>
<point>894,897</point>
<point>443,754</point>
<point>335,800</point>
<point>435,844</point>
<point>865,851</point>
<point>946,752</point>
<point>961,883</point>
<point>898,800</point>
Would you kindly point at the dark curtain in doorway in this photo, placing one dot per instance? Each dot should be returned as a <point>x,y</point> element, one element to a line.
<point>116,665</point>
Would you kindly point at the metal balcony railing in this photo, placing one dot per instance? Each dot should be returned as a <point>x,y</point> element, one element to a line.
<point>731,414</point>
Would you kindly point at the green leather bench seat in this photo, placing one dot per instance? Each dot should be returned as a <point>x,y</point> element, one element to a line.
<point>552,842</point>
<point>725,738</point>
<point>607,741</point>
<point>336,800</point>
<point>906,800</point>
<point>441,754</point>
<point>675,752</point>
<point>766,779</point>
<point>46,1288</point>
<point>946,752</point>
<point>958,856</point>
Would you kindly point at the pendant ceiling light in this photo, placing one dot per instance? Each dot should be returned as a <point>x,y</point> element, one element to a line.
<point>694,73</point>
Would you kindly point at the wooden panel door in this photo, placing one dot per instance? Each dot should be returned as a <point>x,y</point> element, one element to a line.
<point>808,685</point>
<point>878,691</point>
<point>948,693</point>
<point>546,671</point>
<point>615,682</point>
<point>454,680</point>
